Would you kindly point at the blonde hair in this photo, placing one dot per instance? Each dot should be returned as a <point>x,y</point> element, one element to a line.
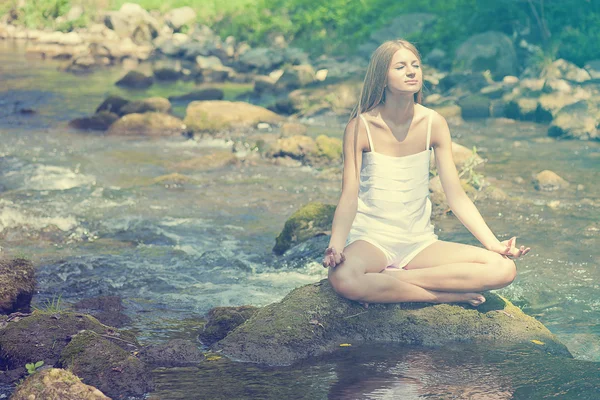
<point>373,89</point>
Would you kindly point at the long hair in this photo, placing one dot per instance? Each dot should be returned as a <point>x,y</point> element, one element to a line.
<point>373,89</point>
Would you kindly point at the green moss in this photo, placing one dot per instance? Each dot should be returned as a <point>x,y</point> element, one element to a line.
<point>310,220</point>
<point>330,148</point>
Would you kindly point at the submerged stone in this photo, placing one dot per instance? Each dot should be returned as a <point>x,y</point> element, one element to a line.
<point>222,320</point>
<point>313,320</point>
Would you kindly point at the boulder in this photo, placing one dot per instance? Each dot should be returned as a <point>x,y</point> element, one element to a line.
<point>103,364</point>
<point>214,116</point>
<point>134,22</point>
<point>100,121</point>
<point>17,283</point>
<point>152,104</point>
<point>296,77</point>
<point>592,67</point>
<point>493,51</point>
<point>106,309</point>
<point>311,220</point>
<point>338,98</point>
<point>475,106</point>
<point>43,336</point>
<point>135,80</point>
<point>563,69</point>
<point>548,181</point>
<point>200,95</point>
<point>147,124</point>
<point>112,104</point>
<point>222,320</point>
<point>56,384</point>
<point>293,128</point>
<point>177,18</point>
<point>580,120</point>
<point>174,353</point>
<point>297,147</point>
<point>313,320</point>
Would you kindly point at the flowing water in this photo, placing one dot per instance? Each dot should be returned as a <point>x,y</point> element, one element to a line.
<point>93,214</point>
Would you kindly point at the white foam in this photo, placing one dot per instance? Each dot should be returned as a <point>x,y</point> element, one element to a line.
<point>12,217</point>
<point>49,177</point>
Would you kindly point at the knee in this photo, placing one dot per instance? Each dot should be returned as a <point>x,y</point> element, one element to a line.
<point>505,271</point>
<point>346,286</point>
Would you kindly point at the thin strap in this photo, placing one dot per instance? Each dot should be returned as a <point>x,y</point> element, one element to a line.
<point>429,129</point>
<point>368,132</point>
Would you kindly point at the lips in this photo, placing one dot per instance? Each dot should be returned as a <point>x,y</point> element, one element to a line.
<point>412,81</point>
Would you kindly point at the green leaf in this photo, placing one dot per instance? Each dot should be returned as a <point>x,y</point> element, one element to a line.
<point>39,364</point>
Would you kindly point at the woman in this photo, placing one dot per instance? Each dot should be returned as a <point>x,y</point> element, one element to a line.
<point>382,221</point>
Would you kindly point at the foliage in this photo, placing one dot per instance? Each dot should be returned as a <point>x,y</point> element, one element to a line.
<point>32,368</point>
<point>53,306</point>
<point>474,179</point>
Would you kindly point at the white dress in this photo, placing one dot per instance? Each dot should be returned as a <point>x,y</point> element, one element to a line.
<point>394,209</point>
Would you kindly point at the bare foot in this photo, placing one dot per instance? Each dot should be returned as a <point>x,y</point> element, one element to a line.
<point>475,299</point>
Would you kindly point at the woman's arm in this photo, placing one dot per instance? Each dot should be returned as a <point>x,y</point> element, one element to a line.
<point>348,202</point>
<point>459,202</point>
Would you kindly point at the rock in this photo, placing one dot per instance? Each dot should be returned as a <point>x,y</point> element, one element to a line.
<point>313,320</point>
<point>135,80</point>
<point>177,18</point>
<point>174,353</point>
<point>222,320</point>
<point>264,84</point>
<point>475,106</point>
<point>329,149</point>
<point>210,62</point>
<point>100,121</point>
<point>293,129</point>
<point>55,384</point>
<point>556,85</point>
<point>213,116</point>
<point>167,73</point>
<point>112,104</point>
<point>523,109</point>
<point>132,21</point>
<point>101,363</point>
<point>261,59</point>
<point>17,283</point>
<point>438,58</point>
<point>548,181</point>
<point>43,336</point>
<point>462,156</point>
<point>448,110</point>
<point>297,147</point>
<point>463,83</point>
<point>151,104</point>
<point>576,121</point>
<point>400,27</point>
<point>562,69</point>
<point>549,104</point>
<point>215,74</point>
<point>106,309</point>
<point>200,95</point>
<point>313,219</point>
<point>339,98</point>
<point>592,67</point>
<point>296,77</point>
<point>147,124</point>
<point>214,160</point>
<point>494,91</point>
<point>510,80</point>
<point>493,51</point>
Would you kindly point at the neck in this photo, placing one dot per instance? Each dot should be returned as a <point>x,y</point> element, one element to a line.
<point>398,108</point>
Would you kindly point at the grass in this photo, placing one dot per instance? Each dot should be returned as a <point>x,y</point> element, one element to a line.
<point>53,306</point>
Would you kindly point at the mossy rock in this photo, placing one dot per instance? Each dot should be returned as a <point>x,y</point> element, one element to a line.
<point>17,282</point>
<point>135,80</point>
<point>101,363</point>
<point>215,116</point>
<point>174,353</point>
<point>100,121</point>
<point>112,104</point>
<point>329,148</point>
<point>56,384</point>
<point>314,320</point>
<point>216,160</point>
<point>147,124</point>
<point>222,320</point>
<point>311,220</point>
<point>43,336</point>
<point>475,106</point>
<point>151,104</point>
<point>523,108</point>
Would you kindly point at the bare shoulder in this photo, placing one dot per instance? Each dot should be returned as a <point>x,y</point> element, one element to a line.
<point>440,132</point>
<point>355,131</point>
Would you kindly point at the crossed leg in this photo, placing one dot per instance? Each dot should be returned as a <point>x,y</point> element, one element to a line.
<point>359,278</point>
<point>456,267</point>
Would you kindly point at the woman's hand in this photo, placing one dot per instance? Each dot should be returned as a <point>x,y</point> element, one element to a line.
<point>333,258</point>
<point>509,248</point>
